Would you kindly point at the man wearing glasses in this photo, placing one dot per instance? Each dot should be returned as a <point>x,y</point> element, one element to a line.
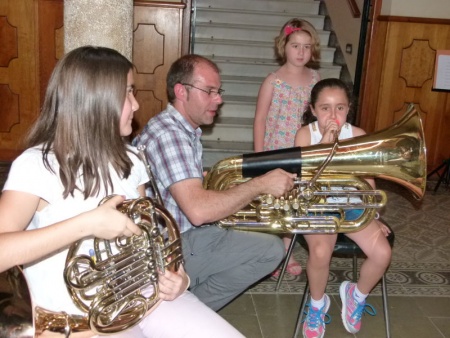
<point>221,263</point>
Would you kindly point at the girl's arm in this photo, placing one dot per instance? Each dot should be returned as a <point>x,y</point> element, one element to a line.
<point>357,131</point>
<point>18,247</point>
<point>262,109</point>
<point>173,284</point>
<point>302,137</point>
<point>141,190</point>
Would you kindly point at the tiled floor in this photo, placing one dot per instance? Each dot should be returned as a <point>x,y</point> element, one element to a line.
<point>274,316</point>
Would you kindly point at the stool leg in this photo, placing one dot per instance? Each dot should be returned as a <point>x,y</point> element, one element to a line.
<point>385,306</point>
<point>298,324</point>
<point>286,261</point>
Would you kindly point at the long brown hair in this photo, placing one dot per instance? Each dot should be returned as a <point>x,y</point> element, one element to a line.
<point>79,120</point>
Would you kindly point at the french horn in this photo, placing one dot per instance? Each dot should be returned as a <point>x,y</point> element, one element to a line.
<point>116,285</point>
<point>397,154</point>
<point>111,285</point>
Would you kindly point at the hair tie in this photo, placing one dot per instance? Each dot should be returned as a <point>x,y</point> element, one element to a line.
<point>288,30</point>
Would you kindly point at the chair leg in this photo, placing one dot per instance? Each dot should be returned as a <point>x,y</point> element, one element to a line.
<point>298,324</point>
<point>286,261</point>
<point>443,177</point>
<point>385,306</point>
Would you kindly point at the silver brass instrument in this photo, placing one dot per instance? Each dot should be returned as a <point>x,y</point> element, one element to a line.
<point>395,154</point>
<point>116,285</point>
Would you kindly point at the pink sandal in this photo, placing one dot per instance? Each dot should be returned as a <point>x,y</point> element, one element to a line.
<point>294,269</point>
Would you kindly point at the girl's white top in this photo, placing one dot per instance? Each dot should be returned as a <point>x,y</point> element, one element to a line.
<point>316,137</point>
<point>28,174</point>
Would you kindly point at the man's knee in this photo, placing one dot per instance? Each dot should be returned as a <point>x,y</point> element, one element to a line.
<point>275,247</point>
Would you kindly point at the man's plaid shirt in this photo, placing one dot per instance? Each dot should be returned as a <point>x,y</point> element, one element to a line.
<point>174,153</point>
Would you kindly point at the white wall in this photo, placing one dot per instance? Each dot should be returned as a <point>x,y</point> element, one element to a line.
<point>437,9</point>
<point>347,29</point>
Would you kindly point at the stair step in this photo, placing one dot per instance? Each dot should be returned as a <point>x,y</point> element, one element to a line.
<point>240,128</point>
<point>238,35</point>
<point>308,7</point>
<point>249,49</point>
<point>215,151</point>
<point>241,85</point>
<point>241,106</point>
<point>253,17</point>
<point>226,146</point>
<point>259,67</point>
<point>212,31</point>
<point>249,85</point>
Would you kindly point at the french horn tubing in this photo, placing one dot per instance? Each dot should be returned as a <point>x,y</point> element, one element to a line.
<point>111,285</point>
<point>317,204</point>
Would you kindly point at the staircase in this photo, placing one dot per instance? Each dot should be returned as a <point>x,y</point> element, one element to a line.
<point>239,36</point>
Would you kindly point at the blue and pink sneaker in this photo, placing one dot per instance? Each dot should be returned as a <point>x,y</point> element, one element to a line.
<point>314,324</point>
<point>352,311</point>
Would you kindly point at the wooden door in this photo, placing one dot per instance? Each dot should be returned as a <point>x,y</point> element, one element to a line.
<point>158,41</point>
<point>32,41</point>
<point>399,70</point>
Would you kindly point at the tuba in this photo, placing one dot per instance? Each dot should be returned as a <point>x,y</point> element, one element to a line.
<point>330,180</point>
<point>116,285</point>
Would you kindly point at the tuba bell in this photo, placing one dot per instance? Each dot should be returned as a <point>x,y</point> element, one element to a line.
<point>317,204</point>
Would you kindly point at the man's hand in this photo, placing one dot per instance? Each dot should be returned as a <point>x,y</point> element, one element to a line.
<point>276,182</point>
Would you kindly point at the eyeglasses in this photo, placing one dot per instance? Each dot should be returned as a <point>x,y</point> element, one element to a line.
<point>210,92</point>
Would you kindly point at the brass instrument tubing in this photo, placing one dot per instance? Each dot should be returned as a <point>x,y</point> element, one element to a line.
<point>141,149</point>
<point>327,160</point>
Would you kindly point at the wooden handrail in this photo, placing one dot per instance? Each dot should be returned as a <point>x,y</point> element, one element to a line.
<point>354,8</point>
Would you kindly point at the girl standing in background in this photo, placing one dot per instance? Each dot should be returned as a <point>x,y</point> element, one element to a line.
<point>284,95</point>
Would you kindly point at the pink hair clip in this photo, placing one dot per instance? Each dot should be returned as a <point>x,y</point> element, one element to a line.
<point>288,30</point>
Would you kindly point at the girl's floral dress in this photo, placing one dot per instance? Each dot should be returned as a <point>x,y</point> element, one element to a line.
<point>286,111</point>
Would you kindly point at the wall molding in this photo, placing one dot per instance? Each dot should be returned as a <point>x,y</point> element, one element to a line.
<point>410,19</point>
